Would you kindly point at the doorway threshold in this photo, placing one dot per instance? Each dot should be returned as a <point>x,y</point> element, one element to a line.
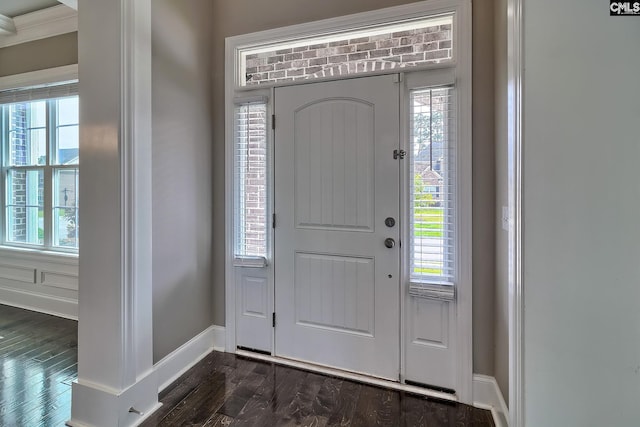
<point>348,375</point>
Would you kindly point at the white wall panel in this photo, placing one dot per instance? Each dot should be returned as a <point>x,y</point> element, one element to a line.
<point>17,274</point>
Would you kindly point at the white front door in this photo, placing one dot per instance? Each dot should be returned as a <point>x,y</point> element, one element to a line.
<point>337,288</point>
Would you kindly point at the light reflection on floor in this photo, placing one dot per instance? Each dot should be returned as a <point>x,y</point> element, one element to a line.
<point>38,354</point>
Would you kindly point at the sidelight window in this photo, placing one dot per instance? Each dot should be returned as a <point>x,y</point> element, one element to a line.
<point>432,185</point>
<point>250,157</point>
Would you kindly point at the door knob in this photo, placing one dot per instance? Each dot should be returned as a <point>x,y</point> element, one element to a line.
<point>389,242</point>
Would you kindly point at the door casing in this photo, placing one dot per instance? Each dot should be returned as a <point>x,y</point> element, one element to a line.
<point>460,67</point>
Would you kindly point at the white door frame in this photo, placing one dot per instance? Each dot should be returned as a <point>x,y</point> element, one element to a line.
<point>515,76</point>
<point>462,64</point>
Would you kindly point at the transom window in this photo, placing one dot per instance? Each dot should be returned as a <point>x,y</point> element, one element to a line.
<point>40,173</point>
<point>396,45</point>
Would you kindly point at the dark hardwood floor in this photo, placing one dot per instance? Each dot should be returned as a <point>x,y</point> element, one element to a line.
<point>39,359</point>
<point>227,390</point>
<point>39,362</point>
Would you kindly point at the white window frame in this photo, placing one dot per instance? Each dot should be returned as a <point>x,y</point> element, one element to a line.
<point>460,66</point>
<point>259,96</point>
<point>49,76</point>
<point>440,79</point>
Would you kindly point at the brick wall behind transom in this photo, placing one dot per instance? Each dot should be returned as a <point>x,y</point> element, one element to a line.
<point>352,56</point>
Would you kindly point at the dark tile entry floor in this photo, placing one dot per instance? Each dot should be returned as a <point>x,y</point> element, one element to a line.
<point>38,356</point>
<point>227,390</point>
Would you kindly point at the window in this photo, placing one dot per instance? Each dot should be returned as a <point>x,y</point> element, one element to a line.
<point>251,179</point>
<point>389,46</point>
<point>40,170</point>
<point>432,186</point>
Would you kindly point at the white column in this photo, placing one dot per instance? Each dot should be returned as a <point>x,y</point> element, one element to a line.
<point>115,362</point>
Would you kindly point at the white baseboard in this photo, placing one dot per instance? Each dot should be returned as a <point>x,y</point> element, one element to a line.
<point>172,366</point>
<point>94,405</point>
<point>219,338</point>
<point>48,304</point>
<point>487,395</point>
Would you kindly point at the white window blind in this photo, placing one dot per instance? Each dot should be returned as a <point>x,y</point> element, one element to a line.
<point>38,93</point>
<point>432,186</point>
<point>250,170</point>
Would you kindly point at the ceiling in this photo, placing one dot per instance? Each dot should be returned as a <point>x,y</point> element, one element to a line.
<point>13,8</point>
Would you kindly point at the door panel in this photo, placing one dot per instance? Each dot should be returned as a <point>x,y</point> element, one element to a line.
<point>334,178</point>
<point>335,292</point>
<point>253,315</point>
<point>431,345</point>
<point>336,283</point>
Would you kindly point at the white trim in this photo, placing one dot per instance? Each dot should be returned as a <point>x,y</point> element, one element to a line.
<point>219,335</point>
<point>7,27</point>
<point>116,372</point>
<point>40,77</point>
<point>136,182</point>
<point>464,290</point>
<point>339,24</point>
<point>392,385</point>
<point>47,304</point>
<point>34,255</point>
<point>515,75</point>
<point>113,407</point>
<point>462,61</point>
<point>250,261</point>
<point>230,273</point>
<point>42,24</point>
<point>179,361</point>
<point>487,395</point>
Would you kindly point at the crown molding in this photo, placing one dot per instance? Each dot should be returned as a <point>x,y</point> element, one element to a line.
<point>41,24</point>
<point>73,4</point>
<point>7,27</point>
<point>65,73</point>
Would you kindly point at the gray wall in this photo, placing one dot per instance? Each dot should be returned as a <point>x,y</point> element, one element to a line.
<point>40,54</point>
<point>182,209</point>
<point>581,210</point>
<point>245,16</point>
<point>483,187</point>
<point>501,303</point>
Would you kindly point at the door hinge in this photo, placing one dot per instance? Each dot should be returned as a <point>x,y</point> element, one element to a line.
<point>399,154</point>
<point>273,121</point>
<point>273,319</point>
<point>273,221</point>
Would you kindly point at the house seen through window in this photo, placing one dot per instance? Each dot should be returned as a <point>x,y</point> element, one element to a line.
<point>40,172</point>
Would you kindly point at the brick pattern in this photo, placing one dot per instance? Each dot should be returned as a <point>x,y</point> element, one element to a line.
<point>18,153</point>
<point>351,56</point>
<point>251,146</point>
